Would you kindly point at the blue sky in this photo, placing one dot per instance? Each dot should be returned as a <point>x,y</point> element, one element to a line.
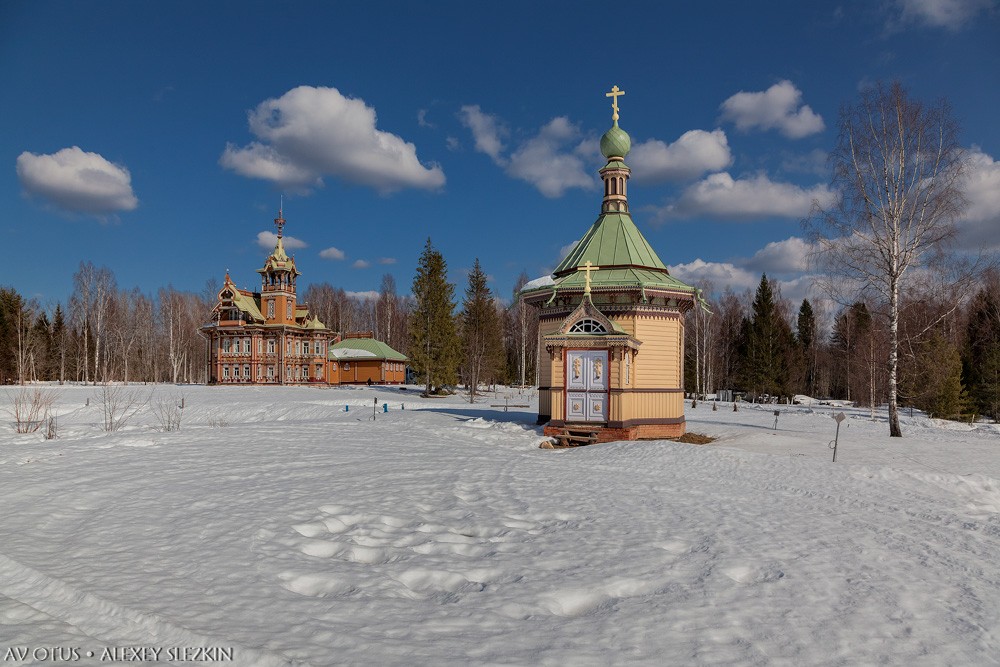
<point>156,137</point>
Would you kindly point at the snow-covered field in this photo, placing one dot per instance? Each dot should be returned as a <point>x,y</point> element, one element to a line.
<point>280,528</point>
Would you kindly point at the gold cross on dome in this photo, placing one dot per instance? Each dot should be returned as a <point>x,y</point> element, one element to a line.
<point>587,268</point>
<point>615,92</point>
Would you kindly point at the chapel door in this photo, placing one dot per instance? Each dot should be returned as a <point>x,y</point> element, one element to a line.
<point>587,386</point>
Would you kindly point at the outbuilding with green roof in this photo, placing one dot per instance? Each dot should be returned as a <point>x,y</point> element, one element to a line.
<point>360,359</point>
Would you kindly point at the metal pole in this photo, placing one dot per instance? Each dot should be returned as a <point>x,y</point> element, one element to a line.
<point>836,438</point>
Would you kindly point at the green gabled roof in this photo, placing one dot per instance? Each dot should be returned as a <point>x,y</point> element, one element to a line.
<point>364,348</point>
<point>613,240</point>
<point>248,305</point>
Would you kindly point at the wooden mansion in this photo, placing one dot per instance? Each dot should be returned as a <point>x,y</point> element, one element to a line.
<point>268,337</point>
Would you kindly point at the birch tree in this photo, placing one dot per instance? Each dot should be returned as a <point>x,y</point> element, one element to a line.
<point>897,166</point>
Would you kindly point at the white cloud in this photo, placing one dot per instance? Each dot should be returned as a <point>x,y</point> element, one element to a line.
<point>694,153</point>
<point>386,260</point>
<point>369,294</point>
<point>487,131</point>
<point>361,264</point>
<point>77,181</point>
<point>777,108</point>
<point>310,132</point>
<point>452,144</point>
<point>722,196</point>
<point>979,226</point>
<point>267,241</point>
<point>332,253</point>
<point>788,256</point>
<point>546,162</point>
<point>422,119</point>
<point>720,274</point>
<point>951,14</point>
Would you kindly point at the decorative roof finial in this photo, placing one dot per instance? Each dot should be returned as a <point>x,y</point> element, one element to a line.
<point>615,92</point>
<point>280,221</point>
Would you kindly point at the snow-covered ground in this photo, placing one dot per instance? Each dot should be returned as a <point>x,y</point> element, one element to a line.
<point>280,527</point>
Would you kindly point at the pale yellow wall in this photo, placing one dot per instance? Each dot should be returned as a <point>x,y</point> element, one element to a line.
<point>658,363</point>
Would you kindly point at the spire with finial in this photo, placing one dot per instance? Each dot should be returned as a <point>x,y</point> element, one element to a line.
<point>615,145</point>
<point>280,221</point>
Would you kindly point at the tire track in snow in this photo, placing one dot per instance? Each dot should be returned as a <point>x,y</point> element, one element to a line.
<point>112,623</point>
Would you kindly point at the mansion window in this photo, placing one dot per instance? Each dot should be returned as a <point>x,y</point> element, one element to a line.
<point>260,346</point>
<point>319,347</point>
<point>226,346</point>
<point>298,348</point>
<point>246,372</point>
<point>333,366</point>
<point>225,372</point>
<point>319,371</point>
<point>305,372</point>
<point>347,365</point>
<point>305,348</point>
<point>270,309</point>
<point>270,372</point>
<point>270,346</point>
<point>246,345</point>
<point>288,310</point>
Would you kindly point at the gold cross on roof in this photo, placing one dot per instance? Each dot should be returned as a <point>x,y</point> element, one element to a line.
<point>587,268</point>
<point>615,92</point>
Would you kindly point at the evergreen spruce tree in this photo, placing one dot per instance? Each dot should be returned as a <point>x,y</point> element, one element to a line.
<point>767,340</point>
<point>982,352</point>
<point>434,345</point>
<point>939,390</point>
<point>57,352</point>
<point>10,306</point>
<point>806,337</point>
<point>482,345</point>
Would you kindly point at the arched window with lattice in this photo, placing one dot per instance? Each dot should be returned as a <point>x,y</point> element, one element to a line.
<point>588,326</point>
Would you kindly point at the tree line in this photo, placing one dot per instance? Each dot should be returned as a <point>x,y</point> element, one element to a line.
<point>759,343</point>
<point>105,333</point>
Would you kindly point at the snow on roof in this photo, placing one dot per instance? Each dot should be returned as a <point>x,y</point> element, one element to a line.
<point>537,283</point>
<point>350,353</point>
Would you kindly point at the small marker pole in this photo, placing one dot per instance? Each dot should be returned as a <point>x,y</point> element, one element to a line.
<point>776,413</point>
<point>839,417</point>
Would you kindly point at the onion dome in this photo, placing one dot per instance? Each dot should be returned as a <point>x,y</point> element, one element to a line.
<point>615,142</point>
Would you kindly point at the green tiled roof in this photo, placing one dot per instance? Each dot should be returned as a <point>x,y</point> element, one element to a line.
<point>624,277</point>
<point>364,348</point>
<point>613,240</point>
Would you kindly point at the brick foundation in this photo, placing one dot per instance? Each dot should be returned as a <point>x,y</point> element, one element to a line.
<point>639,432</point>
